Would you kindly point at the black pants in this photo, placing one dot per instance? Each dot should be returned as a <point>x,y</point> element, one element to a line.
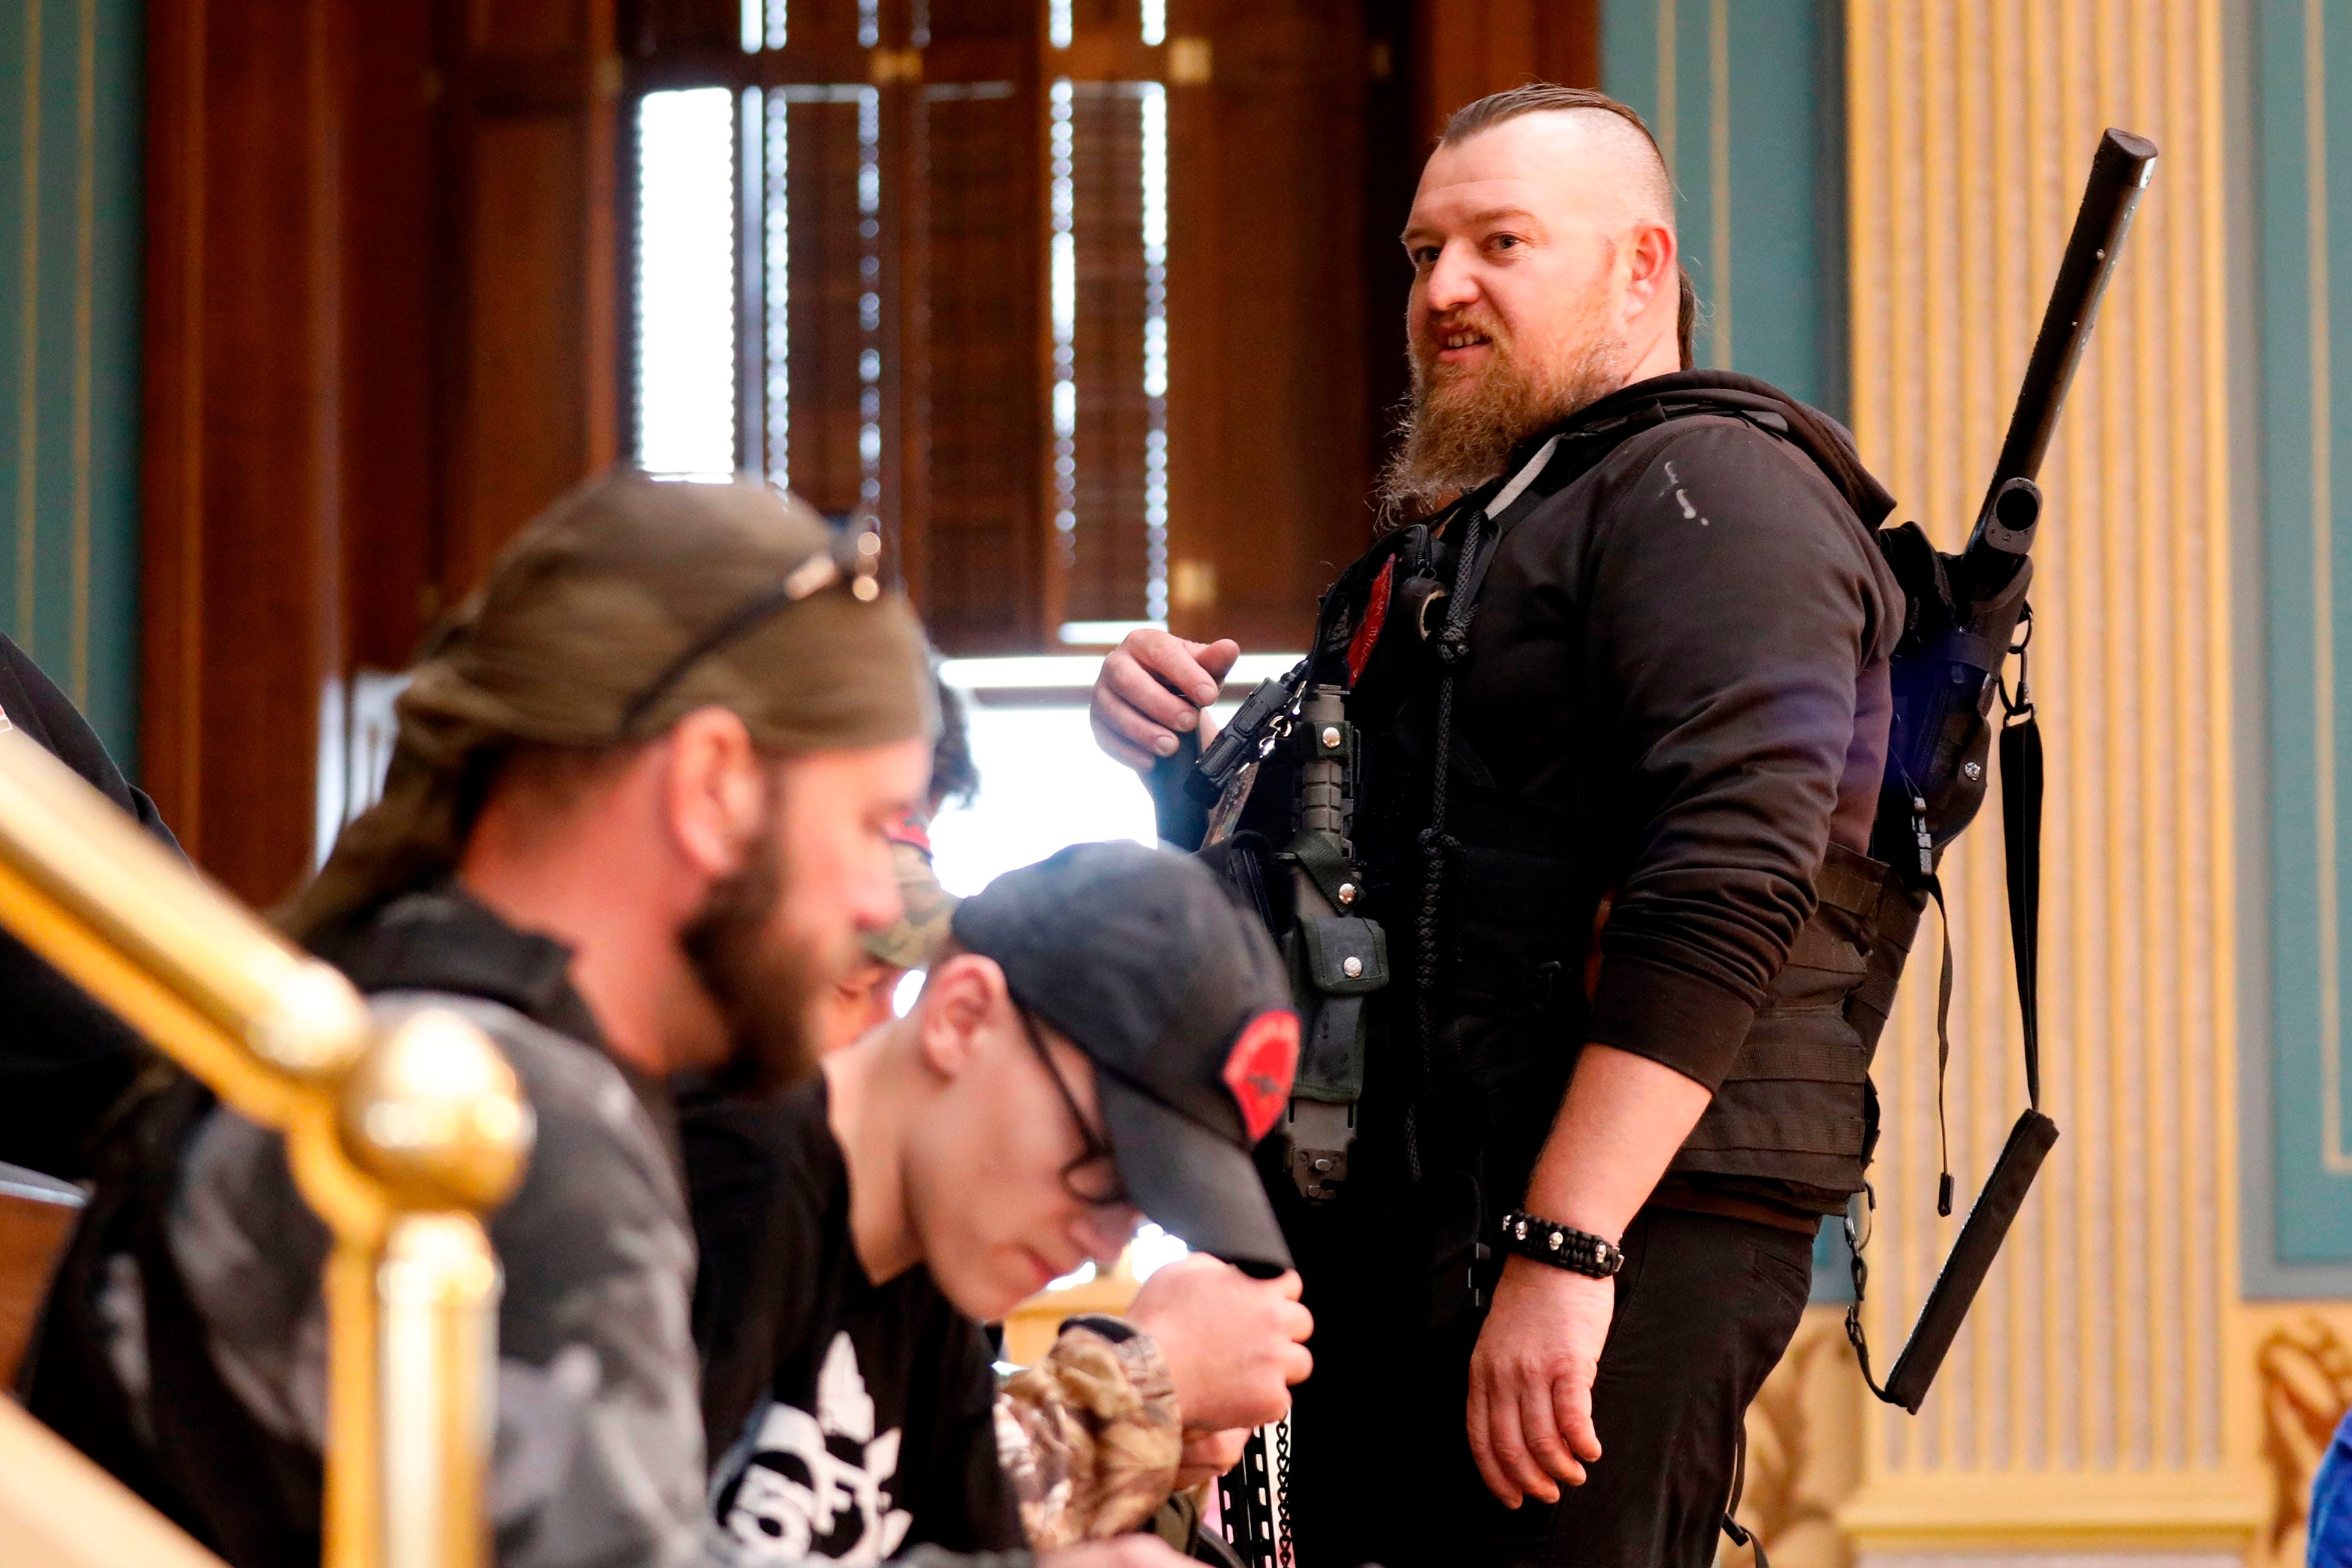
<point>1381,1469</point>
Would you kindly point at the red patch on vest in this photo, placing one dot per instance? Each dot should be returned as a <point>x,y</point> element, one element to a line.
<point>1259,1068</point>
<point>1376,615</point>
<point>907,828</point>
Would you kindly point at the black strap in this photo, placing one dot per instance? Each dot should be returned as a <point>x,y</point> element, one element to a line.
<point>1318,854</point>
<point>1437,847</point>
<point>1736,1532</point>
<point>1943,1051</point>
<point>2021,828</point>
<point>1925,878</point>
<point>2020,811</point>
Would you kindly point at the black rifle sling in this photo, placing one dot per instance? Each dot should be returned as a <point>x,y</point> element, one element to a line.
<point>2020,829</point>
<point>1943,1049</point>
<point>2031,1140</point>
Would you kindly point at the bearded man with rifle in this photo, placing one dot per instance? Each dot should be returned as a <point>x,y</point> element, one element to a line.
<point>1569,827</point>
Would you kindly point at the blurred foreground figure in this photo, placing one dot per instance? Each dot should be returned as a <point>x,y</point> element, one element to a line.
<point>2328,1540</point>
<point>1566,837</point>
<point>1102,1036</point>
<point>636,804</point>
<point>63,1057</point>
<point>863,997</point>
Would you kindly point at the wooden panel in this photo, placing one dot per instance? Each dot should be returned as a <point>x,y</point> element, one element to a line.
<point>525,435</point>
<point>977,564</point>
<point>533,334</point>
<point>645,27</point>
<point>1270,454</point>
<point>391,299</point>
<point>381,311</point>
<point>535,27</point>
<point>241,484</point>
<point>974,359</point>
<point>827,292</point>
<point>37,1217</point>
<point>2087,1393</point>
<point>1465,50</point>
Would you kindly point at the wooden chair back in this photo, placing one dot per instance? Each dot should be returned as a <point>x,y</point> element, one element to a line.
<point>36,1217</point>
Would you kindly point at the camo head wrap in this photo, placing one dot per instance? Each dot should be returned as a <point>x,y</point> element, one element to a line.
<point>624,606</point>
<point>926,908</point>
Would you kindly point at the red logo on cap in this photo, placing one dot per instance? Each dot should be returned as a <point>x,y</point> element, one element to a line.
<point>1260,1067</point>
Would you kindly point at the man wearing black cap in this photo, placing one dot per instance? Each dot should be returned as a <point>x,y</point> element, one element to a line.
<point>1104,1037</point>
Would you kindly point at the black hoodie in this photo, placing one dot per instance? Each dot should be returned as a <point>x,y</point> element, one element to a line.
<point>1683,649</point>
<point>63,1057</point>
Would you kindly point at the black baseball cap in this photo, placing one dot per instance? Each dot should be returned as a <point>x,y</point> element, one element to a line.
<point>1177,997</point>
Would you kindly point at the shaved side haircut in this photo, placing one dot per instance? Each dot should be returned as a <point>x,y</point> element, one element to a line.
<point>1620,126</point>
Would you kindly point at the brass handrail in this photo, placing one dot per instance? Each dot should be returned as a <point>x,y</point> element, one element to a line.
<point>401,1138</point>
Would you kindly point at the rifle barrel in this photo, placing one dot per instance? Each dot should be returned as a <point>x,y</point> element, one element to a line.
<point>2119,172</point>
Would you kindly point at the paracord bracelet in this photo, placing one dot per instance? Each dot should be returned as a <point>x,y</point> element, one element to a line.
<point>1563,1247</point>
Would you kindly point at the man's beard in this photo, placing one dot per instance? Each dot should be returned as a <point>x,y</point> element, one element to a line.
<point>1457,432</point>
<point>762,985</point>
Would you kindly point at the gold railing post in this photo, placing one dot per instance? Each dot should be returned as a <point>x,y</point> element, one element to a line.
<point>434,1112</point>
<point>438,1338</point>
<point>401,1139</point>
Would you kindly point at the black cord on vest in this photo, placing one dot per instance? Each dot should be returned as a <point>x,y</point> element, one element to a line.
<point>1437,846</point>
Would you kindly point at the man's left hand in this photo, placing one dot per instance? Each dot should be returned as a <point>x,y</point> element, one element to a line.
<point>1530,1413</point>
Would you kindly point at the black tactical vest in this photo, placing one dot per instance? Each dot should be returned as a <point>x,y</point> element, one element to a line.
<point>1509,938</point>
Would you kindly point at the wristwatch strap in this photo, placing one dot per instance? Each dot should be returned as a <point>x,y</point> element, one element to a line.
<point>1563,1247</point>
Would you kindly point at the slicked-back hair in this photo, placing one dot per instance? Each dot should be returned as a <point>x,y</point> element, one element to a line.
<point>1546,97</point>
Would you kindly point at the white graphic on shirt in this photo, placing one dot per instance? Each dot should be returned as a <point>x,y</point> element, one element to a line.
<point>811,1485</point>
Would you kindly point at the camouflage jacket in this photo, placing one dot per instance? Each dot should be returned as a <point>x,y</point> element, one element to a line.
<point>598,1455</point>
<point>1091,1436</point>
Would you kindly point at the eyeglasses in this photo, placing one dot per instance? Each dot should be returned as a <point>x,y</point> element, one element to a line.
<point>1094,1147</point>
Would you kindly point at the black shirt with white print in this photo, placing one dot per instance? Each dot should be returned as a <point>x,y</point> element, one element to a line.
<point>854,1420</point>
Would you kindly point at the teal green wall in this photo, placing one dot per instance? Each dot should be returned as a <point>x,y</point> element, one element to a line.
<point>71,92</point>
<point>2300,1198</point>
<point>1747,98</point>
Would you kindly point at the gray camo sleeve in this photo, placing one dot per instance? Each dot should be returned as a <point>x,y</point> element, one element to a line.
<point>598,1459</point>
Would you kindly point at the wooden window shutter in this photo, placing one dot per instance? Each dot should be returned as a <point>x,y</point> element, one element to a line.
<point>973,369</point>
<point>532,341</point>
<point>1271,449</point>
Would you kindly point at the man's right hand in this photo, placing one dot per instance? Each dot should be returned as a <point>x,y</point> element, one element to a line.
<point>1152,687</point>
<point>1233,1344</point>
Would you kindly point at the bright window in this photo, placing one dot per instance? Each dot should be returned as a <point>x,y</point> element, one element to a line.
<point>685,293</point>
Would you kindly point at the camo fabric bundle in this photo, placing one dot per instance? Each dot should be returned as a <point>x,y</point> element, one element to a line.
<point>1090,1437</point>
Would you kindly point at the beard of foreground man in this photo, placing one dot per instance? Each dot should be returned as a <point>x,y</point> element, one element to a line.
<point>1606,1090</point>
